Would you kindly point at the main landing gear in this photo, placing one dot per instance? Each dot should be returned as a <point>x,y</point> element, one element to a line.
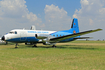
<point>34,45</point>
<point>16,45</point>
<point>54,46</point>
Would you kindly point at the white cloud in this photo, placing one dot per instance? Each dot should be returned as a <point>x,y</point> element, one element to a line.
<point>32,17</point>
<point>56,18</point>
<point>13,8</point>
<point>91,15</point>
<point>91,21</point>
<point>15,14</point>
<point>84,2</point>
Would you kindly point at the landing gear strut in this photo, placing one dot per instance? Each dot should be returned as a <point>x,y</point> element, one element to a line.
<point>16,45</point>
<point>34,45</point>
<point>54,46</point>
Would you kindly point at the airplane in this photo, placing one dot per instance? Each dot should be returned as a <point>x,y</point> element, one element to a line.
<point>46,37</point>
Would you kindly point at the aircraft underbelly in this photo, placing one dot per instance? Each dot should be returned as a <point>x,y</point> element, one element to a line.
<point>32,39</point>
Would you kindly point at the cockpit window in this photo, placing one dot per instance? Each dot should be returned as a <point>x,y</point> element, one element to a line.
<point>13,32</point>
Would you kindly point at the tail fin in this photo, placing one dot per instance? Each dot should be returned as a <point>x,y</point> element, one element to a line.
<point>75,27</point>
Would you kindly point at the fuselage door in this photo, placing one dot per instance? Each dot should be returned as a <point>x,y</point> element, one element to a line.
<point>23,36</point>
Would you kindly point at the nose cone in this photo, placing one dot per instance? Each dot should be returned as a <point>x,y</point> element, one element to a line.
<point>3,38</point>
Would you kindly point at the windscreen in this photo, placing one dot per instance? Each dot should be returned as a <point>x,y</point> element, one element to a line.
<point>13,32</point>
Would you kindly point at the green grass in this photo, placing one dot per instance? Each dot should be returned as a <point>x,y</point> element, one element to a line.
<point>77,55</point>
<point>83,41</point>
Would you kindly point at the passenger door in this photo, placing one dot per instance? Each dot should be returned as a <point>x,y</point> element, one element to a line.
<point>23,36</point>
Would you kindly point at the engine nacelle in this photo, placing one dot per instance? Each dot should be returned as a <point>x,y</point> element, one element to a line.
<point>41,36</point>
<point>44,38</point>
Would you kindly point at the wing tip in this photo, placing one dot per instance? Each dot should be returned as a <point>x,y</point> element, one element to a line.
<point>97,29</point>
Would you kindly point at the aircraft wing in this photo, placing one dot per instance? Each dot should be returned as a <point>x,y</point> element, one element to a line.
<point>57,39</point>
<point>83,38</point>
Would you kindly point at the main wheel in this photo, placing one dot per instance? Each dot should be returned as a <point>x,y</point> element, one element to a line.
<point>54,46</point>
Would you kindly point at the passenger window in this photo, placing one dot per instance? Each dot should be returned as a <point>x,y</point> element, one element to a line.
<point>57,35</point>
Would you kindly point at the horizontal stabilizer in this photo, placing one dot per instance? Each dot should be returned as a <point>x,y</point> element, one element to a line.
<point>83,38</point>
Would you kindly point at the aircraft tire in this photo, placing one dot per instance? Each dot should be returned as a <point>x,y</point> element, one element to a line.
<point>54,46</point>
<point>16,47</point>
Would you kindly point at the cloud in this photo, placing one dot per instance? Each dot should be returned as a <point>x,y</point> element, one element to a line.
<point>91,15</point>
<point>32,17</point>
<point>84,2</point>
<point>94,9</point>
<point>16,9</point>
<point>13,8</point>
<point>15,14</point>
<point>91,22</point>
<point>56,18</point>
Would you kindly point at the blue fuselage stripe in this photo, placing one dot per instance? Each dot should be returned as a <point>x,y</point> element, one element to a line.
<point>23,39</point>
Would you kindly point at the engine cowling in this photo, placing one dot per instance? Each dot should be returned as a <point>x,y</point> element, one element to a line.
<point>41,36</point>
<point>44,38</point>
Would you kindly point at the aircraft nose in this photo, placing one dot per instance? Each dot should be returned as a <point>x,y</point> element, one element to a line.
<point>3,38</point>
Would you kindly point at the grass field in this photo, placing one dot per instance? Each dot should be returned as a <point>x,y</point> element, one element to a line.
<point>76,55</point>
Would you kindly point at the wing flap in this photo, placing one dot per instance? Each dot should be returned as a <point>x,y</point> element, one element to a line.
<point>57,39</point>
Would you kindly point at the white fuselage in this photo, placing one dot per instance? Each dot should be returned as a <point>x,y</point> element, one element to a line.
<point>34,36</point>
<point>19,35</point>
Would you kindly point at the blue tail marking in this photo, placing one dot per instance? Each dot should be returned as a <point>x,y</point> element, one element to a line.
<point>74,28</point>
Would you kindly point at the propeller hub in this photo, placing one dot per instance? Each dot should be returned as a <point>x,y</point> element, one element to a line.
<point>3,38</point>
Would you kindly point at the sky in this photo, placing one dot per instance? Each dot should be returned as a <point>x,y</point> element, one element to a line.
<point>53,15</point>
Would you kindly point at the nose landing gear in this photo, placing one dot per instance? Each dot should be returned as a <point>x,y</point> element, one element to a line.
<point>16,45</point>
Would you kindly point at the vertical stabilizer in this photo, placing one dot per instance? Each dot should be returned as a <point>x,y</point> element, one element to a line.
<point>75,27</point>
<point>33,27</point>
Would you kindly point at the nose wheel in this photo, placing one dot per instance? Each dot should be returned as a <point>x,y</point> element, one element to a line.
<point>16,45</point>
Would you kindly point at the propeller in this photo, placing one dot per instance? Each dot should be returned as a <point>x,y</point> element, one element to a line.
<point>1,41</point>
<point>0,36</point>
